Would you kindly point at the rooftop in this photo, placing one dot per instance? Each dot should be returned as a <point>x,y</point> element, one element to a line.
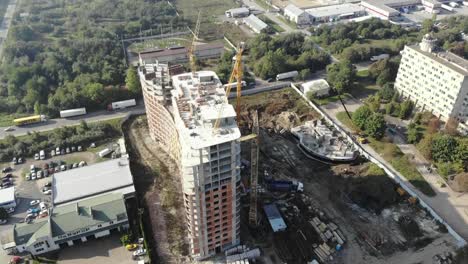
<point>79,183</point>
<point>387,5</point>
<point>255,22</point>
<point>294,10</point>
<point>274,217</point>
<point>7,195</point>
<point>334,10</point>
<point>448,59</point>
<point>239,10</point>
<point>71,217</point>
<point>178,50</point>
<point>316,85</point>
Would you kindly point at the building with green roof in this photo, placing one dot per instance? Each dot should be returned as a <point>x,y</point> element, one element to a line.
<point>79,221</point>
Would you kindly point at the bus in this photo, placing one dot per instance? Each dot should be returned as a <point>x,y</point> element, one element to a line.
<point>29,120</point>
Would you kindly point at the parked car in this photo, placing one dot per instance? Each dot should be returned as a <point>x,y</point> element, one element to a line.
<point>82,163</point>
<point>6,169</point>
<point>34,210</point>
<point>20,160</point>
<point>79,148</point>
<point>140,252</point>
<point>34,202</point>
<point>45,166</point>
<point>33,176</point>
<point>45,189</point>
<point>14,161</point>
<point>56,169</point>
<point>69,166</point>
<point>62,152</point>
<point>48,184</point>
<point>28,176</point>
<point>75,165</point>
<point>36,156</point>
<point>67,150</point>
<point>51,171</point>
<point>57,151</point>
<point>39,174</point>
<point>33,168</point>
<point>7,176</point>
<point>72,149</point>
<point>48,192</point>
<point>52,153</point>
<point>63,168</point>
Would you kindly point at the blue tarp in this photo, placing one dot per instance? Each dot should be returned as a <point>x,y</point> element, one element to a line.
<point>274,217</point>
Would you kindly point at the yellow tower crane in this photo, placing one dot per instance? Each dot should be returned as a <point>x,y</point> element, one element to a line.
<point>191,51</point>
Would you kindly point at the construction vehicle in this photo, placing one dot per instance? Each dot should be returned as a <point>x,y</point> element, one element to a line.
<point>361,140</point>
<point>400,191</point>
<point>284,186</point>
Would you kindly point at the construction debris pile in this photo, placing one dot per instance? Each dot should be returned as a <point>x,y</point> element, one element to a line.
<point>311,234</point>
<point>241,255</point>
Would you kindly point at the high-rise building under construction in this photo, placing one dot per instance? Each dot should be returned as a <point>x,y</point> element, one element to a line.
<point>182,109</point>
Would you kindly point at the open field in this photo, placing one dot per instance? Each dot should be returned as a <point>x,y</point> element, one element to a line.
<point>380,226</point>
<point>160,43</point>
<point>188,9</point>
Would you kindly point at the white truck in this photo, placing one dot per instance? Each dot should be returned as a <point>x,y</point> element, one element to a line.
<point>104,152</point>
<point>72,112</point>
<point>121,104</point>
<point>286,75</point>
<point>447,7</point>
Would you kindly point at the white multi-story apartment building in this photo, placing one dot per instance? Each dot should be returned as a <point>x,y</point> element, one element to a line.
<point>208,157</point>
<point>435,80</point>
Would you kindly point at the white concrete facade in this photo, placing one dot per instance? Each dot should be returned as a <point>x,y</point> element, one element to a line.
<point>296,15</point>
<point>435,81</point>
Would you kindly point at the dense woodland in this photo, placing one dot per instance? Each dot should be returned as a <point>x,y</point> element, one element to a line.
<point>64,54</point>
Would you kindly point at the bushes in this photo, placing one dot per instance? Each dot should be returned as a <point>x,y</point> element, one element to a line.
<point>66,136</point>
<point>373,123</point>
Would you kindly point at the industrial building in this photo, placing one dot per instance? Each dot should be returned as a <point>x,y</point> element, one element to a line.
<point>8,198</point>
<point>68,224</point>
<point>180,54</point>
<point>255,23</point>
<point>237,12</point>
<point>274,218</point>
<point>435,80</point>
<point>390,9</point>
<point>295,14</point>
<point>183,110</point>
<point>335,12</point>
<point>318,88</point>
<point>112,176</point>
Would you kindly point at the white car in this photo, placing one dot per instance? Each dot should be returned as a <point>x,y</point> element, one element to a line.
<point>28,177</point>
<point>57,151</point>
<point>34,202</point>
<point>39,174</point>
<point>33,176</point>
<point>139,252</point>
<point>9,129</point>
<point>36,156</point>
<point>48,192</point>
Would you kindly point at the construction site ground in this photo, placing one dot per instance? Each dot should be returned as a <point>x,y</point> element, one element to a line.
<point>378,224</point>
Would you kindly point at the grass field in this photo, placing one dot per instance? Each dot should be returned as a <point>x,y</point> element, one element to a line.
<point>364,86</point>
<point>392,154</point>
<point>188,9</point>
<point>160,43</point>
<point>330,99</point>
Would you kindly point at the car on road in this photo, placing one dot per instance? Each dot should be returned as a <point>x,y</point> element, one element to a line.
<point>6,169</point>
<point>8,129</point>
<point>34,202</point>
<point>48,192</point>
<point>140,252</point>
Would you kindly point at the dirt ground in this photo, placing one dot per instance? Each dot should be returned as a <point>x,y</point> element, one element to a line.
<point>379,225</point>
<point>159,194</point>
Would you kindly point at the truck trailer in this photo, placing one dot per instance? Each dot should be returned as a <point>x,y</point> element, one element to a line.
<point>72,112</point>
<point>285,186</point>
<point>286,75</point>
<point>121,104</point>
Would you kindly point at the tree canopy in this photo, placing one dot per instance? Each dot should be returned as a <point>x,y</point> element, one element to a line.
<point>341,75</point>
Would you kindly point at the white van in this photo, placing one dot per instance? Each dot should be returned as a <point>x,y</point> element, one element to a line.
<point>42,154</point>
<point>43,206</point>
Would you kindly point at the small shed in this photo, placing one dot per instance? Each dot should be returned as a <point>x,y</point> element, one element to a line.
<point>319,88</point>
<point>274,217</point>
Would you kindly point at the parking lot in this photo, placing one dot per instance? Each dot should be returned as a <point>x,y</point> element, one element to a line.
<point>420,16</point>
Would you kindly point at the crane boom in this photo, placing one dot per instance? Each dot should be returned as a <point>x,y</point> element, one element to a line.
<point>236,74</point>
<point>191,52</point>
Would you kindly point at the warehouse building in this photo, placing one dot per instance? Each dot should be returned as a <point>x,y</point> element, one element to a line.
<point>318,88</point>
<point>112,176</point>
<point>179,54</point>
<point>8,198</point>
<point>296,15</point>
<point>237,12</point>
<point>255,23</point>
<point>390,9</point>
<point>335,12</point>
<point>69,224</point>
<point>435,80</point>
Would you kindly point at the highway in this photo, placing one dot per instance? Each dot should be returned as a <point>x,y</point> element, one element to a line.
<point>60,122</point>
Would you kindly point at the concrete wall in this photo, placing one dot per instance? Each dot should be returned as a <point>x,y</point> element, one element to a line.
<point>390,172</point>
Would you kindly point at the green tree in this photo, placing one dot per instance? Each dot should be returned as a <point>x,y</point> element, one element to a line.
<point>94,92</point>
<point>132,81</point>
<point>3,214</point>
<point>341,75</point>
<point>384,77</point>
<point>444,148</point>
<point>375,125</point>
<point>414,136</point>
<point>386,92</point>
<point>389,108</point>
<point>425,145</point>
<point>361,115</point>
<point>405,110</point>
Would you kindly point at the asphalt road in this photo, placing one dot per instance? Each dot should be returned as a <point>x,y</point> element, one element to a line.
<point>6,23</point>
<point>60,122</point>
